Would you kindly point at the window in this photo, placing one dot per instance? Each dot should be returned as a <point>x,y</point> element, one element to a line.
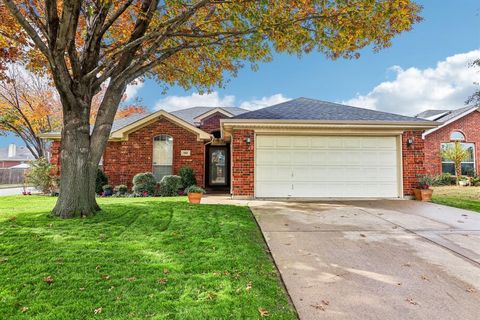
<point>162,156</point>
<point>468,165</point>
<point>457,136</point>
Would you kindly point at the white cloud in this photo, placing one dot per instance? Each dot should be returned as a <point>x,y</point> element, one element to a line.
<point>413,90</point>
<point>172,103</point>
<point>132,90</point>
<point>263,102</point>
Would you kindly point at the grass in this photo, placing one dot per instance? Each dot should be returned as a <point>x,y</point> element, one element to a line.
<point>459,197</point>
<point>140,258</point>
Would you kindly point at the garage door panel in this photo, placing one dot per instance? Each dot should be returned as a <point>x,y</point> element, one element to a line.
<point>326,166</point>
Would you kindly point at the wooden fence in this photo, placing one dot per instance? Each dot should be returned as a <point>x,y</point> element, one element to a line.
<point>12,176</point>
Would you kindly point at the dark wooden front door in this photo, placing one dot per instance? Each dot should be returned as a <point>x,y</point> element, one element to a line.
<point>218,167</point>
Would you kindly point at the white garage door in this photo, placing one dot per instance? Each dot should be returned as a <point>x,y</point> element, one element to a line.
<point>324,166</point>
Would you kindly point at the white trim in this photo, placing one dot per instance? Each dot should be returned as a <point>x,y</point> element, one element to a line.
<point>212,111</point>
<point>426,133</point>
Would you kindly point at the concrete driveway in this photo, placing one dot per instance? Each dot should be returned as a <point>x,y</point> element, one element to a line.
<point>375,259</point>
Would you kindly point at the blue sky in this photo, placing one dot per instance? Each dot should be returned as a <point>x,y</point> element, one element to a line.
<point>449,35</point>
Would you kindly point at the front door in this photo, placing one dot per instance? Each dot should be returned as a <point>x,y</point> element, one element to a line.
<point>218,167</point>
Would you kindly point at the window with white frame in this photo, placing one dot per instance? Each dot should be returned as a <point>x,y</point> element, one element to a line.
<point>468,165</point>
<point>162,156</point>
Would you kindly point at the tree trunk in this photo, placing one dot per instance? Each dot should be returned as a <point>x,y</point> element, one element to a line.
<point>78,171</point>
<point>458,172</point>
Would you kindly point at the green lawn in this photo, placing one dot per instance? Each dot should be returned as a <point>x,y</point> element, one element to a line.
<point>459,197</point>
<point>140,258</point>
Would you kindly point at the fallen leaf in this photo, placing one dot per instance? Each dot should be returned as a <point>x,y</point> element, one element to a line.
<point>98,267</point>
<point>105,277</point>
<point>162,280</point>
<point>24,309</point>
<point>411,301</point>
<point>263,312</point>
<point>362,235</point>
<point>249,286</point>
<point>471,290</point>
<point>165,271</point>
<point>211,295</point>
<point>48,280</point>
<point>318,307</point>
<point>98,310</point>
<point>406,265</point>
<point>425,278</point>
<point>132,279</point>
<point>82,289</point>
<point>326,302</point>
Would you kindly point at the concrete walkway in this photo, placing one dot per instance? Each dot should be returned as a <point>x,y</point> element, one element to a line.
<point>15,191</point>
<point>374,259</point>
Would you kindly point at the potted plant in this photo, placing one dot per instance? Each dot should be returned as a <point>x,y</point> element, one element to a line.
<point>194,194</point>
<point>423,191</point>
<point>107,190</point>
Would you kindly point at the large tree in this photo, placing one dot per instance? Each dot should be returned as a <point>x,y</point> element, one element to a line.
<point>176,42</point>
<point>474,98</point>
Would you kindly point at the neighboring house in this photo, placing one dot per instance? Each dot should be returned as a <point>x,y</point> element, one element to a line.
<point>297,149</point>
<point>461,125</point>
<point>14,155</point>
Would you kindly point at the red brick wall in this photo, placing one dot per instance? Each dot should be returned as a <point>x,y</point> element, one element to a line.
<point>122,160</point>
<point>55,155</point>
<point>243,155</point>
<point>413,160</point>
<point>468,125</point>
<point>212,122</point>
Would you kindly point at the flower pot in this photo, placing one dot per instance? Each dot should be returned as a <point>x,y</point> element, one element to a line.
<point>463,183</point>
<point>423,194</point>
<point>194,197</point>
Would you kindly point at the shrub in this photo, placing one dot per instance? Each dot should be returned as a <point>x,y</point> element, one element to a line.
<point>169,186</point>
<point>444,179</point>
<point>475,181</point>
<point>100,181</point>
<point>144,184</point>
<point>194,189</point>
<point>121,190</point>
<point>107,190</point>
<point>41,176</point>
<point>188,176</point>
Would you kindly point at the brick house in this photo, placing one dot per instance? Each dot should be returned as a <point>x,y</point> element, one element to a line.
<point>301,148</point>
<point>461,125</point>
<point>14,155</point>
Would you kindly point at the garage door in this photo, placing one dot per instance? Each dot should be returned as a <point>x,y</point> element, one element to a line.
<point>324,166</point>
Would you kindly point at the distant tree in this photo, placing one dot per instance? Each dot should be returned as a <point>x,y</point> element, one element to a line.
<point>84,44</point>
<point>474,99</point>
<point>28,106</point>
<point>457,154</point>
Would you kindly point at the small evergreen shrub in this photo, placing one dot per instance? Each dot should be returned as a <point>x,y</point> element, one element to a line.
<point>41,176</point>
<point>121,190</point>
<point>107,190</point>
<point>169,186</point>
<point>100,181</point>
<point>194,189</point>
<point>444,179</point>
<point>188,176</point>
<point>144,184</point>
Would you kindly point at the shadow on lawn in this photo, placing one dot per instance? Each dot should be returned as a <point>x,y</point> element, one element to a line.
<point>140,259</point>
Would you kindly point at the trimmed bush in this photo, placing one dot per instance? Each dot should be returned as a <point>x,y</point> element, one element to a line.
<point>41,176</point>
<point>121,190</point>
<point>194,189</point>
<point>444,179</point>
<point>100,181</point>
<point>144,184</point>
<point>188,176</point>
<point>170,185</point>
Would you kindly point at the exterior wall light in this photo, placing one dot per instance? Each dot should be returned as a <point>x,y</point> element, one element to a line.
<point>409,142</point>
<point>247,140</point>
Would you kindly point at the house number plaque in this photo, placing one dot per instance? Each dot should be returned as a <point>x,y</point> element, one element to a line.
<point>185,153</point>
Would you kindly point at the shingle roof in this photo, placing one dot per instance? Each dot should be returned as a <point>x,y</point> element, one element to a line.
<point>430,113</point>
<point>445,115</point>
<point>310,109</point>
<point>190,114</point>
